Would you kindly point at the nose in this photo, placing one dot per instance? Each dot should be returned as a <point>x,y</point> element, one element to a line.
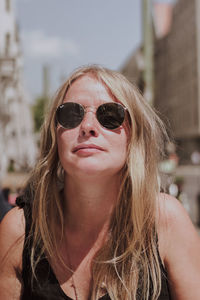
<point>89,126</point>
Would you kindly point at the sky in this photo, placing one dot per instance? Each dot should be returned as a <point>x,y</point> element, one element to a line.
<point>66,34</point>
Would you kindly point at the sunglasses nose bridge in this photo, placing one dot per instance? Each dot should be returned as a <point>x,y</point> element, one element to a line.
<point>89,113</point>
<point>89,109</point>
<point>89,122</point>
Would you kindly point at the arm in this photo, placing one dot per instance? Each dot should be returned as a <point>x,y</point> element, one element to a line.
<point>179,245</point>
<point>11,247</point>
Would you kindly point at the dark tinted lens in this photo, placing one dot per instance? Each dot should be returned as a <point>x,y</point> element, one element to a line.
<point>69,115</point>
<point>110,115</point>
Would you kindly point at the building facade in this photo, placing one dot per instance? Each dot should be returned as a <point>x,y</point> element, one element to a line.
<point>177,73</point>
<point>18,149</point>
<point>177,91</point>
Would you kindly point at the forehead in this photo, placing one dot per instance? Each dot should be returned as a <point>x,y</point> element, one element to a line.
<point>90,89</point>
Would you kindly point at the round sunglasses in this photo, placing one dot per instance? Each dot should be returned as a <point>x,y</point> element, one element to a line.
<point>110,115</point>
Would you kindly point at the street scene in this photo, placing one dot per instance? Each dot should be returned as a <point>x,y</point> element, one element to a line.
<point>165,67</point>
<point>99,150</point>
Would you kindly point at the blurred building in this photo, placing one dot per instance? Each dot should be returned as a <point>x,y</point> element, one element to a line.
<point>17,146</point>
<point>177,85</point>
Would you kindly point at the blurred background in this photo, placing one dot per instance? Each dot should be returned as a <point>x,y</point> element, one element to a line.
<point>154,43</point>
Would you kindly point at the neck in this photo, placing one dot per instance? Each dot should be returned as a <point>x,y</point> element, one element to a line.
<point>89,204</point>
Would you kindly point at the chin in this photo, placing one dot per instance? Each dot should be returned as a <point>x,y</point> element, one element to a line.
<point>93,167</point>
<point>96,171</point>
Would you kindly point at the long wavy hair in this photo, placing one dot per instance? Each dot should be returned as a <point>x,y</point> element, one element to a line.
<point>127,266</point>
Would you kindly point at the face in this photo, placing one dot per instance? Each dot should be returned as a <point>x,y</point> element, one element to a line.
<point>90,149</point>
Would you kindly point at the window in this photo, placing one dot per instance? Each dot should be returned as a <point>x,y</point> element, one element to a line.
<point>16,32</point>
<point>7,5</point>
<point>13,133</point>
<point>7,44</point>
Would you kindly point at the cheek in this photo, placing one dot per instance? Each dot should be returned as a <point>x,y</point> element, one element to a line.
<point>64,141</point>
<point>64,144</point>
<point>123,150</point>
<point>119,148</point>
<point>65,136</point>
<point>127,129</point>
<point>61,140</point>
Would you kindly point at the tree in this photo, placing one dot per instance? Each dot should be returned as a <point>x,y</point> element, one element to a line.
<point>38,112</point>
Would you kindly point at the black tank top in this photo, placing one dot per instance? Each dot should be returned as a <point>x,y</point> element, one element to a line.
<point>47,287</point>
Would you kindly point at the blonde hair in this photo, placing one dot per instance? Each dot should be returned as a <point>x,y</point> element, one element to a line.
<point>128,263</point>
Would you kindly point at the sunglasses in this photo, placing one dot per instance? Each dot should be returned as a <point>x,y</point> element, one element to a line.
<point>110,115</point>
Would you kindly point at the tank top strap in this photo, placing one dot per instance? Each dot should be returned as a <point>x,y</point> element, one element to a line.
<point>165,291</point>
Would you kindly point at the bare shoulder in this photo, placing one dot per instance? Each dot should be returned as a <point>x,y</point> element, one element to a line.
<point>179,246</point>
<point>12,229</point>
<point>169,206</point>
<point>172,215</point>
<point>13,223</point>
<point>174,221</point>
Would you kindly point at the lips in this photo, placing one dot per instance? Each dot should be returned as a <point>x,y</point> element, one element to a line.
<point>87,146</point>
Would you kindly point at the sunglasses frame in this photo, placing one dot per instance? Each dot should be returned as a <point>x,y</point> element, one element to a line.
<point>84,112</point>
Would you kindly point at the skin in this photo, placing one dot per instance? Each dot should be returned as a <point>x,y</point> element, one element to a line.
<point>92,179</point>
<point>113,143</point>
<point>179,245</point>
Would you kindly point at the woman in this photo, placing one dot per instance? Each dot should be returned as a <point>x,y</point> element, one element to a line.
<point>92,223</point>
